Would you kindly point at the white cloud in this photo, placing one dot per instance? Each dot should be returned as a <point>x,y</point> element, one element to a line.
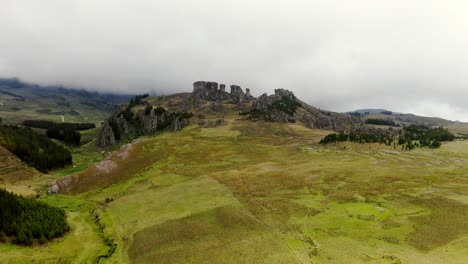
<point>335,54</point>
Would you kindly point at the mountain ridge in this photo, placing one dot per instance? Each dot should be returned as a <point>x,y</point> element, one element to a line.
<point>21,100</point>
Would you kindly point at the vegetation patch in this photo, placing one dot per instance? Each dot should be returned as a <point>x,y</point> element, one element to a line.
<point>29,220</point>
<point>36,150</point>
<point>381,122</point>
<point>409,138</point>
<point>222,235</point>
<point>446,222</point>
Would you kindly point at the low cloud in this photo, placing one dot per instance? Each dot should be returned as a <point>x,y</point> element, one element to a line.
<point>339,55</point>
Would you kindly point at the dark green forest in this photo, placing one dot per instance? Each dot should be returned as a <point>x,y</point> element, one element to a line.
<point>30,220</point>
<point>66,132</point>
<point>45,124</point>
<point>36,150</point>
<point>410,137</point>
<point>382,122</point>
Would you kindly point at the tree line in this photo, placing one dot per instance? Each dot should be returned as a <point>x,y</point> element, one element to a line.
<point>409,137</point>
<point>382,122</point>
<point>66,132</point>
<point>45,124</point>
<point>137,100</point>
<point>35,150</point>
<point>30,220</point>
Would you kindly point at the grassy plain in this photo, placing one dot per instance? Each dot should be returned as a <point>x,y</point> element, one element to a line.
<point>255,192</point>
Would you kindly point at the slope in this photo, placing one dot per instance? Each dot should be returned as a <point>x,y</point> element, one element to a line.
<point>20,101</point>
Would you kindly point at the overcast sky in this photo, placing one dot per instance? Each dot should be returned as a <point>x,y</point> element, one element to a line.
<point>408,56</point>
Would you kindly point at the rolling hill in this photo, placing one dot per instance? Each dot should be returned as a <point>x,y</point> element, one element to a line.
<point>457,127</point>
<point>20,101</point>
<point>245,180</point>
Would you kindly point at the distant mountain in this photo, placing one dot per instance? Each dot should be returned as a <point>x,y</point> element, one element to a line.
<point>402,118</point>
<point>20,100</point>
<point>370,111</point>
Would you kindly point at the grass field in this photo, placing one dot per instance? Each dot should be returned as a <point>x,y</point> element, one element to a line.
<point>261,192</point>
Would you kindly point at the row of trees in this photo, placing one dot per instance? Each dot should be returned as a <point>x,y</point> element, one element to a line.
<point>137,100</point>
<point>357,137</point>
<point>29,220</point>
<point>66,132</point>
<point>36,150</point>
<point>69,136</point>
<point>382,122</point>
<point>45,124</point>
<point>410,137</point>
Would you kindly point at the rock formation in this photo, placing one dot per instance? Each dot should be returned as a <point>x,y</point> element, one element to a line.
<point>316,118</point>
<point>105,137</point>
<point>247,95</point>
<point>279,107</point>
<point>122,126</point>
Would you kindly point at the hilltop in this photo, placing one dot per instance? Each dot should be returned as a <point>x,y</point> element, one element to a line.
<point>207,105</point>
<point>21,101</point>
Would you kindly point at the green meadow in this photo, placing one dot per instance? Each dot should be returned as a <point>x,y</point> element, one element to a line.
<point>256,192</point>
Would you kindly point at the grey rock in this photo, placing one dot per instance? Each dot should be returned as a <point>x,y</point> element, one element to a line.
<point>149,122</point>
<point>105,137</point>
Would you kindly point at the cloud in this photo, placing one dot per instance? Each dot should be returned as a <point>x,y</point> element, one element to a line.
<point>339,55</point>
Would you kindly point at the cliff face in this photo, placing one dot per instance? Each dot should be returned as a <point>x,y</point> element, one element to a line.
<point>125,123</point>
<point>282,106</point>
<point>315,118</point>
<point>105,137</point>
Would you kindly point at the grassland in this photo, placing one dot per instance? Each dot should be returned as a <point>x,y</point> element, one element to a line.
<point>260,192</point>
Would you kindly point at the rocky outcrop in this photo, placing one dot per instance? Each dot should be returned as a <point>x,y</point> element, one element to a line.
<point>279,107</point>
<point>105,136</point>
<point>178,123</point>
<point>149,122</point>
<point>247,95</point>
<point>207,91</point>
<point>121,125</point>
<point>265,102</point>
<point>316,118</point>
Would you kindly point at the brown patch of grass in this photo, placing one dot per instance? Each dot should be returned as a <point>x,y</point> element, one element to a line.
<point>223,235</point>
<point>448,220</point>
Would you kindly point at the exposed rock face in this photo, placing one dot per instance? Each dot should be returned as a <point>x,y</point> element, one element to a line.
<point>247,95</point>
<point>178,123</point>
<point>208,91</point>
<point>105,137</point>
<point>316,118</point>
<point>282,106</point>
<point>236,94</point>
<point>263,102</point>
<point>150,122</point>
<point>279,107</point>
<point>122,126</point>
<point>236,90</point>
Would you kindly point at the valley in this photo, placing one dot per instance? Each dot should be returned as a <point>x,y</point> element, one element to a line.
<point>261,192</point>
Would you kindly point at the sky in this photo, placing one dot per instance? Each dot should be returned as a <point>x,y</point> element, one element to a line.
<point>405,56</point>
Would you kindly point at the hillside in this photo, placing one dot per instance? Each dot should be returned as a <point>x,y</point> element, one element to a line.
<point>207,105</point>
<point>243,179</point>
<point>21,101</point>
<point>456,127</point>
<point>403,118</point>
